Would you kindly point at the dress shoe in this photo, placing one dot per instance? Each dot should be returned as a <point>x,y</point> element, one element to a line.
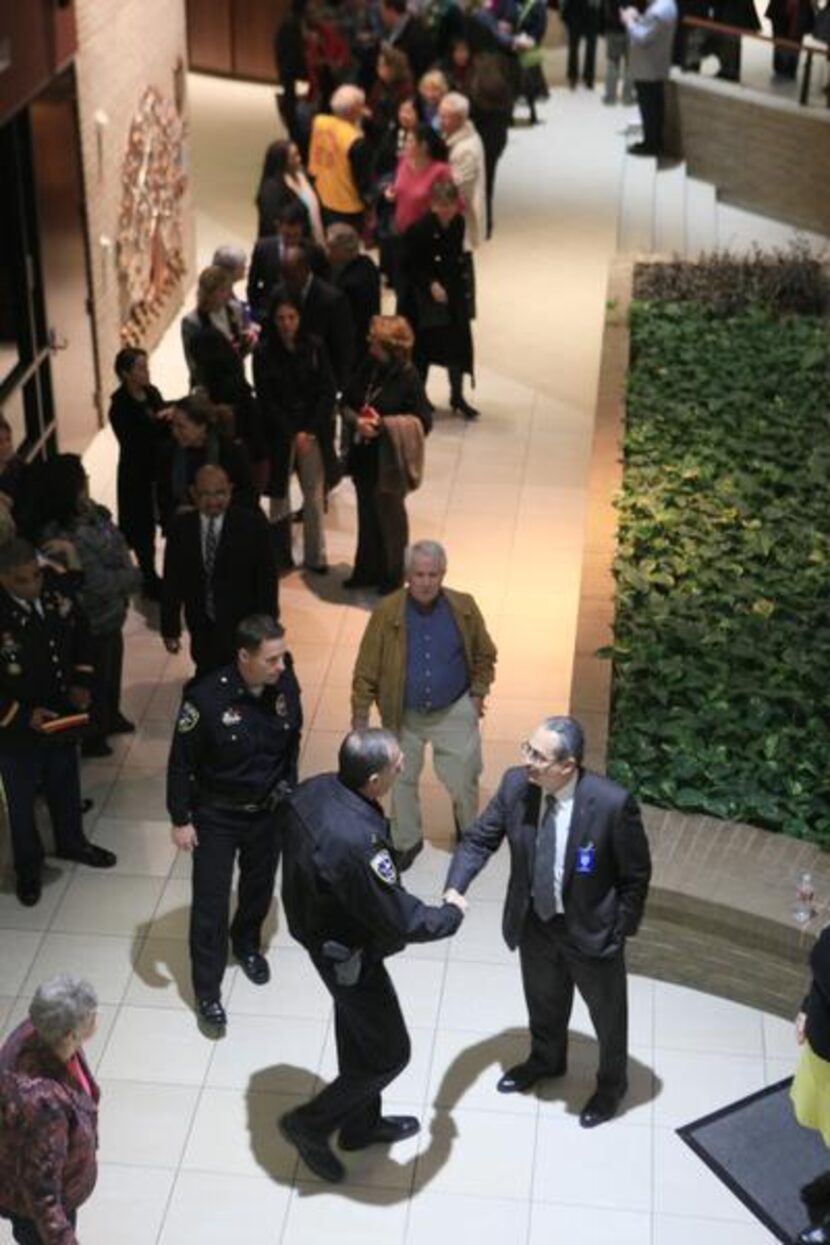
<point>523,1076</point>
<point>322,569</point>
<point>212,1013</point>
<point>87,803</point>
<point>122,726</point>
<point>819,1235</point>
<point>460,406</point>
<point>255,966</point>
<point>642,149</point>
<point>600,1107</point>
<point>388,1130</point>
<point>315,1151</point>
<point>28,889</point>
<point>92,855</point>
<point>95,748</point>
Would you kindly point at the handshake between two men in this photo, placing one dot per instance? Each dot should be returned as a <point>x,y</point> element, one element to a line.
<point>580,869</point>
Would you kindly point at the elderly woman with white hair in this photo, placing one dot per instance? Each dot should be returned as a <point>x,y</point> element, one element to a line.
<point>49,1114</point>
<point>340,159</point>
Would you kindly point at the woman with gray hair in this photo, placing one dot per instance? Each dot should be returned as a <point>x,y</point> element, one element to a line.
<point>49,1114</point>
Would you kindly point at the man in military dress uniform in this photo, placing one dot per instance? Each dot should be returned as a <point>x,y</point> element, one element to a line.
<point>233,759</point>
<point>345,904</point>
<point>45,675</point>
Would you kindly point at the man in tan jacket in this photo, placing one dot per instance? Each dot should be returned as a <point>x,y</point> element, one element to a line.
<point>427,661</point>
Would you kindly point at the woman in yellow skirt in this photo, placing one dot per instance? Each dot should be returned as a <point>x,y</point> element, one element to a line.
<point>810,1091</point>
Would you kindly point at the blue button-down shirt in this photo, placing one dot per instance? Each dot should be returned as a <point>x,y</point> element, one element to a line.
<point>436,668</point>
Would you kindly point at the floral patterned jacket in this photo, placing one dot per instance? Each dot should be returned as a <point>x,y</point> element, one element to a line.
<point>48,1136</point>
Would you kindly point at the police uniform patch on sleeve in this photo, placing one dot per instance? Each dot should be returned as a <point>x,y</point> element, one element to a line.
<point>188,717</point>
<point>383,867</point>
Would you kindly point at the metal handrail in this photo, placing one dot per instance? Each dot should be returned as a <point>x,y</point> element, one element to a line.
<point>790,45</point>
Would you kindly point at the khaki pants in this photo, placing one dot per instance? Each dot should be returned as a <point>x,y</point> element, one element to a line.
<point>456,756</point>
<point>309,464</point>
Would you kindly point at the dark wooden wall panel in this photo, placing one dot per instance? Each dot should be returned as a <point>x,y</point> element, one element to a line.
<point>254,23</point>
<point>37,39</point>
<point>209,35</point>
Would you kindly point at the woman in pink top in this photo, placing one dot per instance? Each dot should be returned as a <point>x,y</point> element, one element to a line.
<point>423,162</point>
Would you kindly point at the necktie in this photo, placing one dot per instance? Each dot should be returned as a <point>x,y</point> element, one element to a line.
<point>544,893</point>
<point>211,541</point>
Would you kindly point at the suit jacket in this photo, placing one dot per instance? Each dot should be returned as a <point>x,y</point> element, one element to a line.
<point>601,907</point>
<point>244,575</point>
<point>265,272</point>
<point>326,314</point>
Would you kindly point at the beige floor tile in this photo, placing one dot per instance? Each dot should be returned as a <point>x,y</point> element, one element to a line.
<point>480,937</point>
<point>294,989</point>
<point>319,752</point>
<point>145,1125</point>
<point>674,1230</point>
<point>486,1220</point>
<point>696,1083</point>
<point>156,1045</point>
<point>317,1214</point>
<point>171,917</point>
<point>19,951</point>
<point>418,984</point>
<point>215,1209</point>
<point>568,1158</point>
<point>236,1133</point>
<point>143,848</point>
<point>484,998</point>
<point>588,1225</point>
<point>284,1053</point>
<point>133,1198</point>
<point>684,1185</point>
<point>162,975</point>
<point>690,1020</point>
<point>102,902</point>
<point>105,961</point>
<point>479,1153</point>
<point>139,794</point>
<point>467,1066</point>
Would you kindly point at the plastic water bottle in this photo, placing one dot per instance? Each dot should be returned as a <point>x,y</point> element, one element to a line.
<point>804,896</point>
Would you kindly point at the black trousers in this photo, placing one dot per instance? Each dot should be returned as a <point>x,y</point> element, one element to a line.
<point>223,835</point>
<point>382,534</point>
<point>576,34</point>
<point>52,768</point>
<point>652,105</point>
<point>551,967</point>
<point>373,1048</point>
<point>108,659</point>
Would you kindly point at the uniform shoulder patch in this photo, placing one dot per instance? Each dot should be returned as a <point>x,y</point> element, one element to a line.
<point>383,867</point>
<point>188,717</point>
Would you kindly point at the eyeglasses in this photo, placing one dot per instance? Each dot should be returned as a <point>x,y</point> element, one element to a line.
<point>534,757</point>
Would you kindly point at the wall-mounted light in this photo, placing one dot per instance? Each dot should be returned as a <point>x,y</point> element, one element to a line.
<point>101,122</point>
<point>105,247</point>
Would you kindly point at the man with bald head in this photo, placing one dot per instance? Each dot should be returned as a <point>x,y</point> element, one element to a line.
<point>219,565</point>
<point>579,875</point>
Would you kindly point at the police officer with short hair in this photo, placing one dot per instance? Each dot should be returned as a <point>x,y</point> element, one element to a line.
<point>345,904</point>
<point>232,761</point>
<point>45,679</point>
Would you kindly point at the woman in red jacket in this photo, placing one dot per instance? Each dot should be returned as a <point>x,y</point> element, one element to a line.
<point>49,1115</point>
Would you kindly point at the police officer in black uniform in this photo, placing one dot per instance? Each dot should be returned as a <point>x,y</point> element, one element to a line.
<point>45,677</point>
<point>345,904</point>
<point>233,759</point>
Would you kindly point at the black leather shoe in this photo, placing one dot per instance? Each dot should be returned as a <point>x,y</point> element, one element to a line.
<point>255,966</point>
<point>460,406</point>
<point>819,1235</point>
<point>315,1151</point>
<point>388,1130</point>
<point>523,1076</point>
<point>28,890</point>
<point>642,149</point>
<point>87,803</point>
<point>322,569</point>
<point>122,726</point>
<point>405,858</point>
<point>212,1013</point>
<point>92,855</point>
<point>600,1107</point>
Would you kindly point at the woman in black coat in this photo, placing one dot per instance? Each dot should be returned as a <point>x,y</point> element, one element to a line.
<point>139,423</point>
<point>436,293</point>
<point>386,384</point>
<point>296,390</point>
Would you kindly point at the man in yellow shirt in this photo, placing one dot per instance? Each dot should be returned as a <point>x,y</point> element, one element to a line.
<point>340,159</point>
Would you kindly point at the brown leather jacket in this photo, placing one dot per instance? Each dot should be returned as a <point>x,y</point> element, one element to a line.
<point>380,669</point>
<point>48,1136</point>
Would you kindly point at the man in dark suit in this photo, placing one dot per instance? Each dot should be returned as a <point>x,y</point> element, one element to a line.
<point>218,564</point>
<point>324,311</point>
<point>265,272</point>
<point>407,32</point>
<point>358,277</point>
<point>579,875</point>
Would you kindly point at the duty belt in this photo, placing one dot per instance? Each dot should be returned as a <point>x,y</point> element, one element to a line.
<point>266,804</point>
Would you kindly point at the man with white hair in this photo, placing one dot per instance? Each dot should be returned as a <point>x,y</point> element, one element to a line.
<point>427,661</point>
<point>466,162</point>
<point>340,158</point>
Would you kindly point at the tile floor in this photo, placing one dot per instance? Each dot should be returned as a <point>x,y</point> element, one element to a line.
<point>189,1149</point>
